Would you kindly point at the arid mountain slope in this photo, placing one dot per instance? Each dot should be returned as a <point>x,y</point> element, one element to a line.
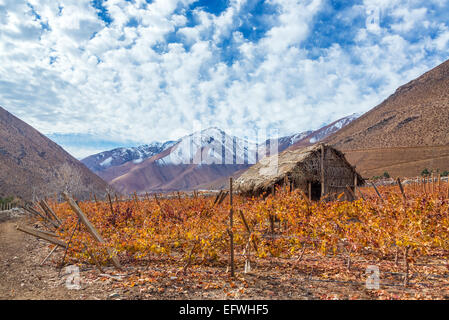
<point>31,164</point>
<point>417,114</point>
<point>406,133</point>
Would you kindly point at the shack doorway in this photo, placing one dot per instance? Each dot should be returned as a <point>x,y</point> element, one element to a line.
<point>316,191</point>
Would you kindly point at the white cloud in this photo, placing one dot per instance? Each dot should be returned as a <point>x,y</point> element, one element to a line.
<point>65,70</point>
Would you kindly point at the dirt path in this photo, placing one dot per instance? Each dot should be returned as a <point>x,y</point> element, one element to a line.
<point>21,276</point>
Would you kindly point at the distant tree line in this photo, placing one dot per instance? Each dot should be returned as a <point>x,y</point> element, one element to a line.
<point>427,172</point>
<point>6,200</point>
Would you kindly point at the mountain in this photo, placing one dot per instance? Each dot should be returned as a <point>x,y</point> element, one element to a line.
<point>33,165</point>
<point>116,157</point>
<point>194,161</point>
<point>322,133</point>
<point>405,133</point>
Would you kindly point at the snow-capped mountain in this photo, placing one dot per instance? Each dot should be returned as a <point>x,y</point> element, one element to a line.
<point>324,132</point>
<point>193,160</point>
<point>116,157</point>
<point>210,146</point>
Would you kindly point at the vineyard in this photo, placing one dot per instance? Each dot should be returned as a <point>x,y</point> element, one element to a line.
<point>405,233</point>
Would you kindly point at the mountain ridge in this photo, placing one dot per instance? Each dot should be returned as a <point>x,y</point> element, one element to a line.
<point>31,165</point>
<point>194,160</point>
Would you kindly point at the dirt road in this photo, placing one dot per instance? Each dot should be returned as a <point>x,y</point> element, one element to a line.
<point>21,276</point>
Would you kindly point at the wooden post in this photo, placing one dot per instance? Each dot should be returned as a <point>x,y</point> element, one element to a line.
<point>35,212</point>
<point>218,196</point>
<point>49,211</point>
<point>447,188</point>
<point>377,191</point>
<point>90,228</point>
<point>110,204</point>
<point>401,188</point>
<point>231,224</point>
<point>286,183</point>
<point>41,235</point>
<point>323,189</point>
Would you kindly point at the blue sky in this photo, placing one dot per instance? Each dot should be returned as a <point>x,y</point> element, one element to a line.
<point>93,75</point>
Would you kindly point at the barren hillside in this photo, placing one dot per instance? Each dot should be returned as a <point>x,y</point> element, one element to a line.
<point>31,164</point>
<point>417,114</point>
<point>406,133</point>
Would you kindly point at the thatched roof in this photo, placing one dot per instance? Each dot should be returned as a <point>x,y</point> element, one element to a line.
<point>291,163</point>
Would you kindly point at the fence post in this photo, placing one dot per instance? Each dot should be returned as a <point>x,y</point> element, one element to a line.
<point>400,187</point>
<point>231,223</point>
<point>323,189</point>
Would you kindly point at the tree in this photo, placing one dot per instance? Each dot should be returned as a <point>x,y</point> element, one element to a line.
<point>425,172</point>
<point>67,178</point>
<point>386,175</point>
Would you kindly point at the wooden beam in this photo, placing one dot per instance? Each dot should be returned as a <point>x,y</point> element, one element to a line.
<point>41,235</point>
<point>242,216</point>
<point>401,188</point>
<point>37,213</point>
<point>377,191</point>
<point>218,196</point>
<point>90,228</point>
<point>49,211</point>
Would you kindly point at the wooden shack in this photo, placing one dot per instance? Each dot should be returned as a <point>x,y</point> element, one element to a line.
<point>319,170</point>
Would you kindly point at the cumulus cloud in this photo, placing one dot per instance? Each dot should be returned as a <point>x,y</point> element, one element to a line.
<point>141,70</point>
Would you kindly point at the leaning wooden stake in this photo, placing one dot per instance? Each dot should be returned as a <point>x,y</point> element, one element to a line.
<point>37,213</point>
<point>223,196</point>
<point>231,224</point>
<point>248,229</point>
<point>49,211</point>
<point>41,235</point>
<point>218,196</point>
<point>110,204</point>
<point>377,191</point>
<point>400,187</point>
<point>90,228</point>
<point>46,258</point>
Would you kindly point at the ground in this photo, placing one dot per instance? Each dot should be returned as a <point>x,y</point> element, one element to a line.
<point>22,277</point>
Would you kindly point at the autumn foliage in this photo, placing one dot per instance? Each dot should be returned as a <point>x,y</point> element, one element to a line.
<point>193,229</point>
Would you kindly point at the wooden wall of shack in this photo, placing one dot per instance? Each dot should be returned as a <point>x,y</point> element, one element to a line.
<point>338,174</point>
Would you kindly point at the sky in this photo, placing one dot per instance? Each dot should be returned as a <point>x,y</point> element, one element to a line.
<point>94,75</point>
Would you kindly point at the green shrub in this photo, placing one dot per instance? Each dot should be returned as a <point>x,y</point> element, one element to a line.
<point>6,200</point>
<point>386,175</point>
<point>425,172</point>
